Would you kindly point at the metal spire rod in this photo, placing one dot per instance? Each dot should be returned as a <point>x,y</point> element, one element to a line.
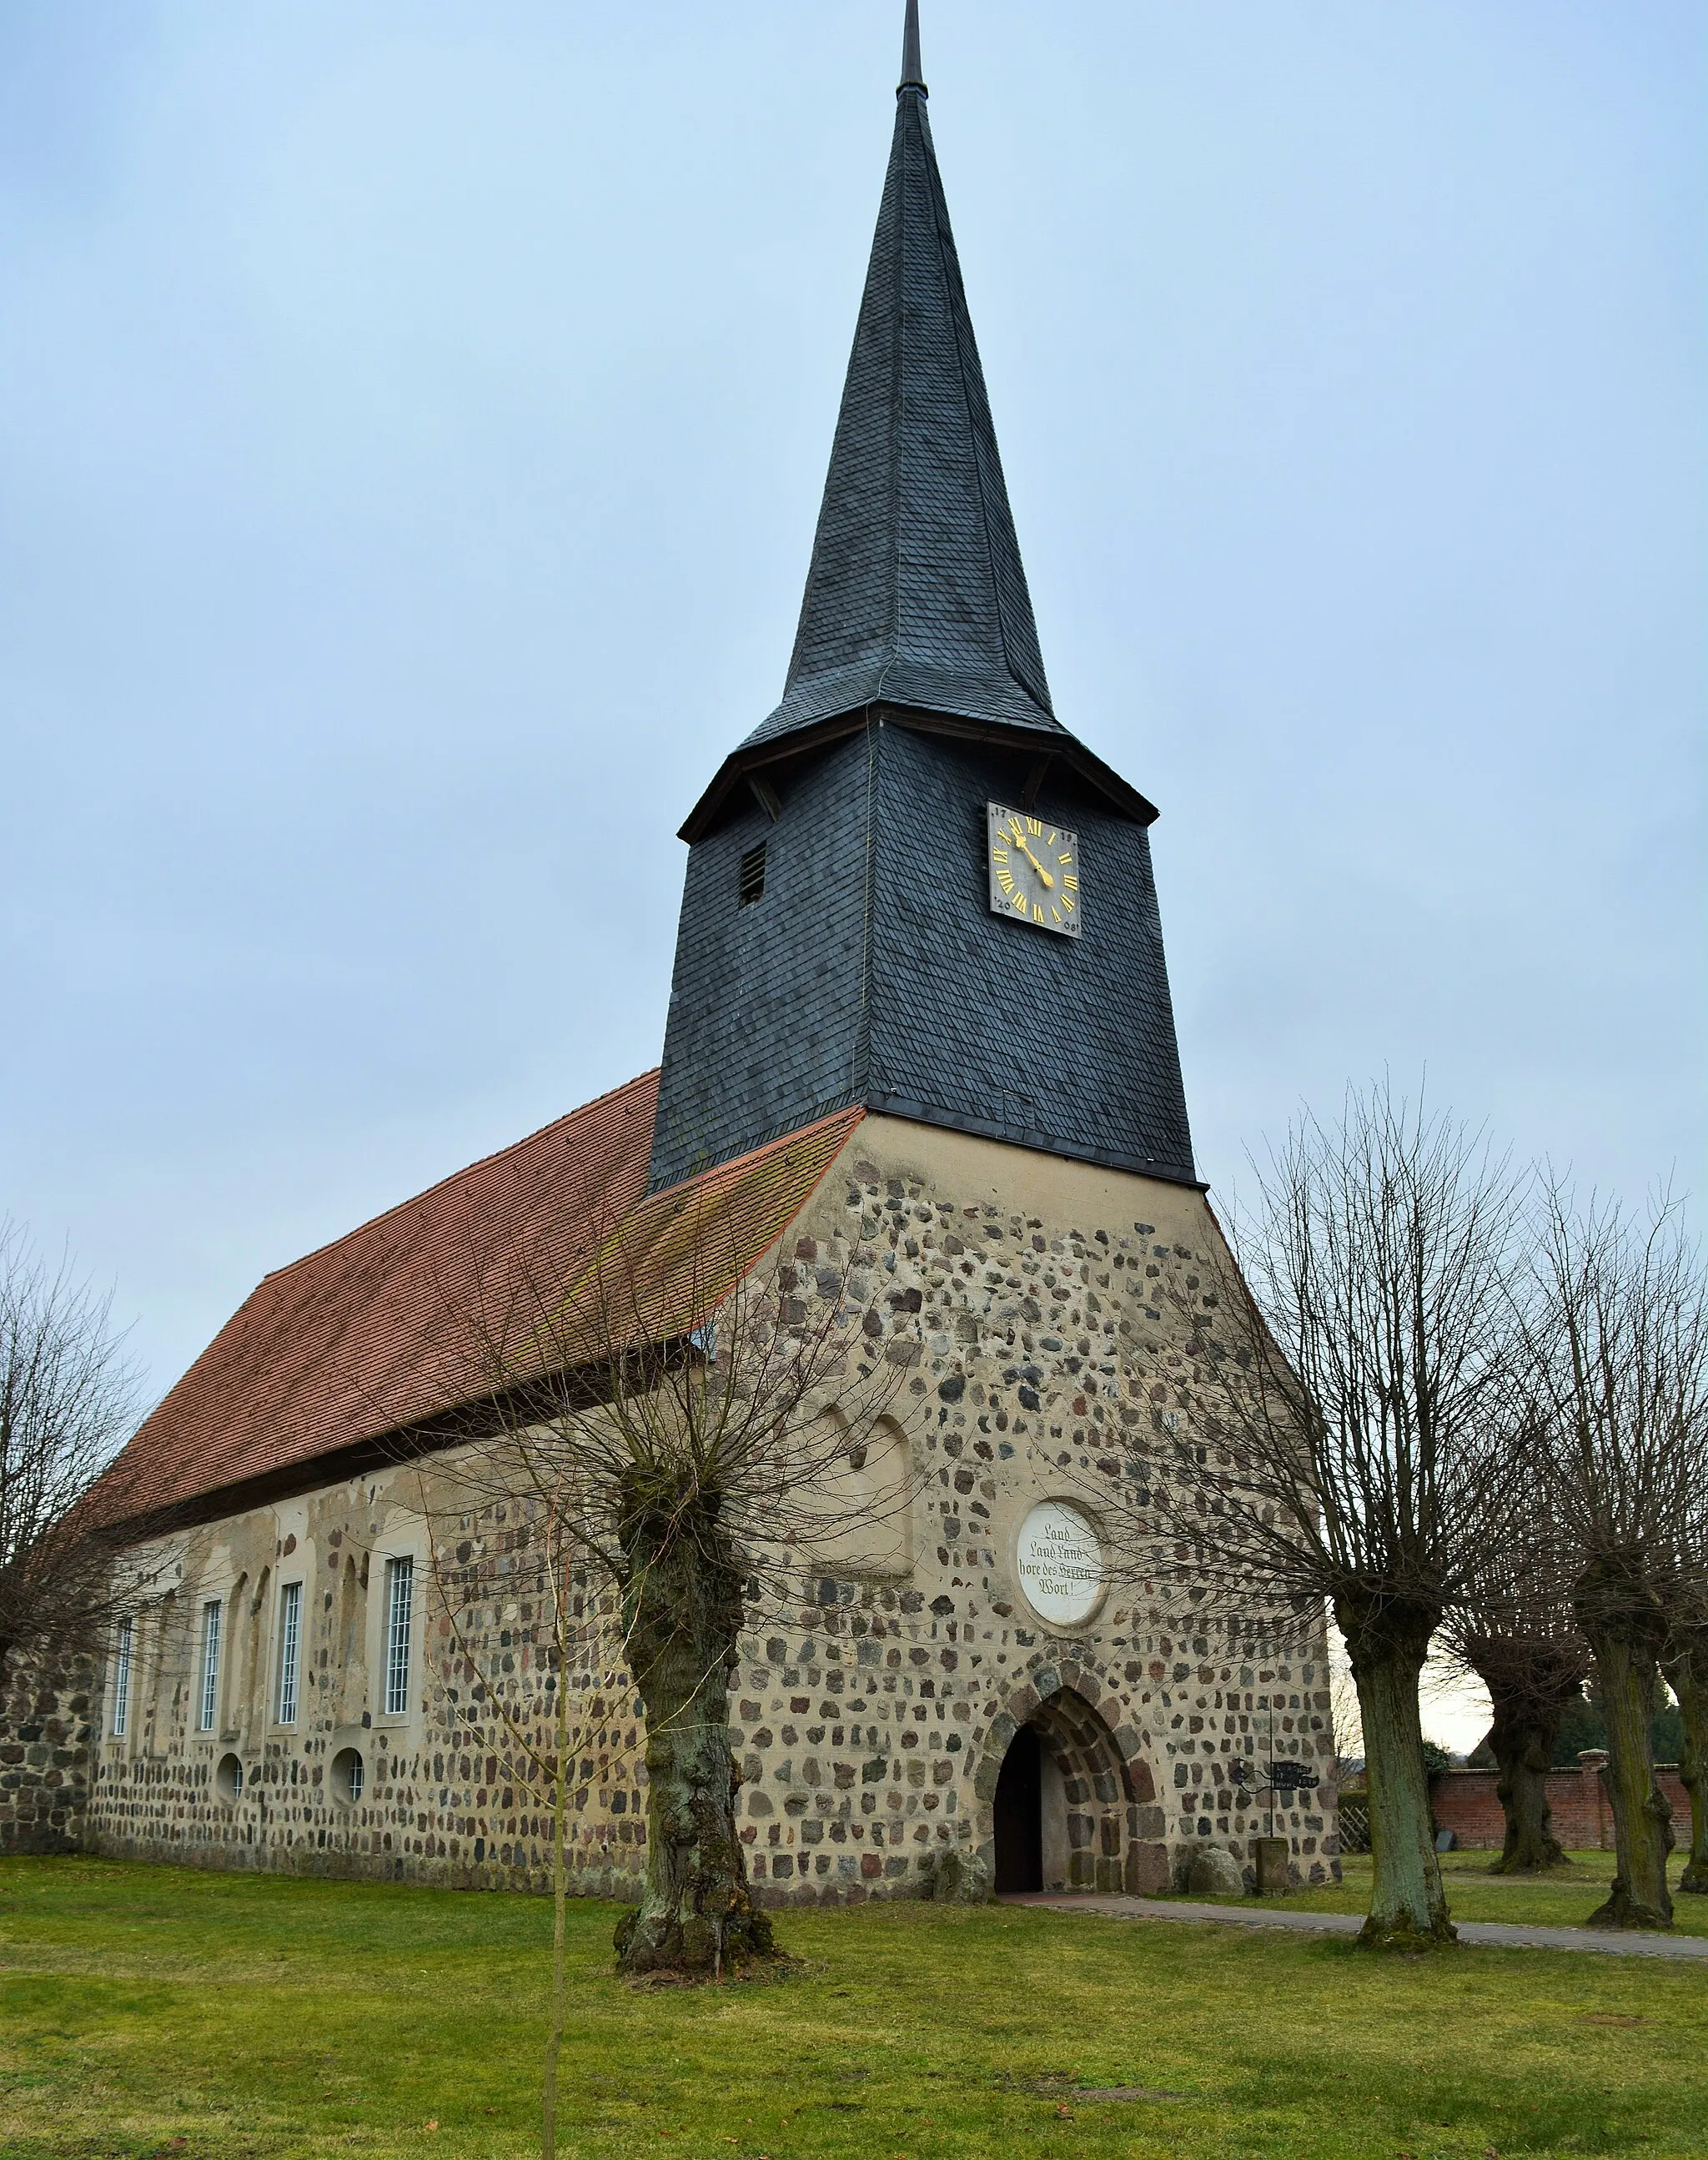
<point>912,78</point>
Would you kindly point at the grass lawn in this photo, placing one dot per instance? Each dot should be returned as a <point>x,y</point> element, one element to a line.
<point>148,2011</point>
<point>1563,1898</point>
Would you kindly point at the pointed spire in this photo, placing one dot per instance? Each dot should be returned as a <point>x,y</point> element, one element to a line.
<point>916,593</point>
<point>912,78</point>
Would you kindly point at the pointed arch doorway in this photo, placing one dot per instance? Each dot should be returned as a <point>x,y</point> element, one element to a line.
<point>1018,1812</point>
<point>1069,1811</point>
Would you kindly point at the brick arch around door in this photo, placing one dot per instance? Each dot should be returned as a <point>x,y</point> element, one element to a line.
<point>1091,1768</point>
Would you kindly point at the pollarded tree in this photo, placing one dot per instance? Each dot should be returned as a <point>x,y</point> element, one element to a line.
<point>1618,1333</point>
<point>1361,1347</point>
<point>1684,1660</point>
<point>690,1422</point>
<point>1685,1664</point>
<point>1512,1625</point>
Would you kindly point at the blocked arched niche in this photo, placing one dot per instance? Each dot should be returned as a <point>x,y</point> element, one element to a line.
<point>351,1681</point>
<point>866,1498</point>
<point>1066,1753</point>
<point>171,1663</point>
<point>254,1679</point>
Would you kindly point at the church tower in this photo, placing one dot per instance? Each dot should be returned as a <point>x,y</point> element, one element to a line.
<point>911,888</point>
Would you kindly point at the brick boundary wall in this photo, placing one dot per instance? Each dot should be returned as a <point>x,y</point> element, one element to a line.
<point>45,1756</point>
<point>1466,1803</point>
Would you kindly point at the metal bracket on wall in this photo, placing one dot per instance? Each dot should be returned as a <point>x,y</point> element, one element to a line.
<point>1283,1777</point>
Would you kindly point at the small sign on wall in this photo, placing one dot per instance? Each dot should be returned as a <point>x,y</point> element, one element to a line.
<point>1060,1564</point>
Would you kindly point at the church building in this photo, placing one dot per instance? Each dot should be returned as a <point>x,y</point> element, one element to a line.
<point>921,1047</point>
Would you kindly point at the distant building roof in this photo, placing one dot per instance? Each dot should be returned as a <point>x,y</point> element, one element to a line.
<point>371,1335</point>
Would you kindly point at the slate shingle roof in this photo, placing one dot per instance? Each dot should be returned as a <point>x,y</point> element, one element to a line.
<point>916,603</point>
<point>371,1335</point>
<point>915,594</point>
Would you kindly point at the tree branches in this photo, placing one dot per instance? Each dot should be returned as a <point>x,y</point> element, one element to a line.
<point>68,1398</point>
<point>1361,1343</point>
<point>1616,1332</point>
<point>1361,1337</point>
<point>688,1422</point>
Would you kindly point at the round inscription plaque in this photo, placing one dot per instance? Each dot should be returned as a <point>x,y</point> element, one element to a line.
<point>1060,1563</point>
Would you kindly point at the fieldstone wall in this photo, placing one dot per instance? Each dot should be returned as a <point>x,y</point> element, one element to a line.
<point>1045,1322</point>
<point>45,1737</point>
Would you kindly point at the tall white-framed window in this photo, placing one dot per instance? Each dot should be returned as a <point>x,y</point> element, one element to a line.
<point>400,1596</point>
<point>290,1632</point>
<point>208,1705</point>
<point>122,1677</point>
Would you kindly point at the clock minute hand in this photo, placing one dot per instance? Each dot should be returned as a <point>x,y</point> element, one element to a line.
<point>1049,882</point>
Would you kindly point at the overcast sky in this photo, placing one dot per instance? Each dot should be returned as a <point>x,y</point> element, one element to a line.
<point>412,419</point>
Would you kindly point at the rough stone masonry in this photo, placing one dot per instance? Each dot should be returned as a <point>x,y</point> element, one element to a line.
<point>1034,1308</point>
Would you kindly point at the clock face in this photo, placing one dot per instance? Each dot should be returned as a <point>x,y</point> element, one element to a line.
<point>1034,870</point>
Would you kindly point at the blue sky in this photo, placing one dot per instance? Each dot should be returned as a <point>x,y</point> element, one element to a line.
<point>412,419</point>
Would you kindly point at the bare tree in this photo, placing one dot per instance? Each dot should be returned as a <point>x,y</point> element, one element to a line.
<point>1618,1335</point>
<point>685,1431</point>
<point>1512,1625</point>
<point>1685,1664</point>
<point>68,1398</point>
<point>1360,1345</point>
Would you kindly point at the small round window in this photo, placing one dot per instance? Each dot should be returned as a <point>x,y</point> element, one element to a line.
<point>347,1776</point>
<point>229,1778</point>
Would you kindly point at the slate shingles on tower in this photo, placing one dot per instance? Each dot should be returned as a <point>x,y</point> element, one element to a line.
<point>916,592</point>
<point>871,971</point>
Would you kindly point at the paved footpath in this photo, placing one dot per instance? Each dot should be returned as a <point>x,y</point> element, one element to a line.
<point>1501,1934</point>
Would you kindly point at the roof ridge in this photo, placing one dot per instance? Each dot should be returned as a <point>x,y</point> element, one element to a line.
<point>467,1169</point>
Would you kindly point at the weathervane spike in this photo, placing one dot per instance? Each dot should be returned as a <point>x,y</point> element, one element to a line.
<point>912,78</point>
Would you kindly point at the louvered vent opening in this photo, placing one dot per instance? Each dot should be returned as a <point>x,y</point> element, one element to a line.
<point>752,874</point>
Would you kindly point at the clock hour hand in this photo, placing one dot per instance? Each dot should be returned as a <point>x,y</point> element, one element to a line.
<point>1049,882</point>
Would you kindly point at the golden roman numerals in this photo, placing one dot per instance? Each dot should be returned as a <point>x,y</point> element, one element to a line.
<point>1034,870</point>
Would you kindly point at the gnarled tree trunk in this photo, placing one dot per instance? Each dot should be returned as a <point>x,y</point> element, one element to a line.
<point>681,1608</point>
<point>1388,1645</point>
<point>1522,1751</point>
<point>1531,1680</point>
<point>1688,1674</point>
<point>1622,1621</point>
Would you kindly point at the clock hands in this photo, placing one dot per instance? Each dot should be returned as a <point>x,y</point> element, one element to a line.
<point>1020,843</point>
<point>1047,892</point>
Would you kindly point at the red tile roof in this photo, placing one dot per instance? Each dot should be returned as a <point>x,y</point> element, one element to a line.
<point>373,1333</point>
